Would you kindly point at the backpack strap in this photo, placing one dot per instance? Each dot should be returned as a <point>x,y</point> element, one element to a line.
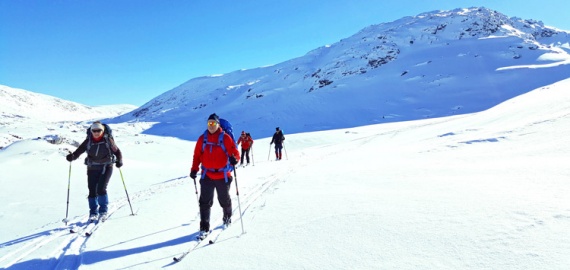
<point>228,167</point>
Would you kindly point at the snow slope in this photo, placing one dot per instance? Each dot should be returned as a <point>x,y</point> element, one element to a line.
<point>487,190</point>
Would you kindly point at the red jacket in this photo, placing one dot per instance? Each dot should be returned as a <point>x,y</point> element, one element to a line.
<point>214,156</point>
<point>246,141</point>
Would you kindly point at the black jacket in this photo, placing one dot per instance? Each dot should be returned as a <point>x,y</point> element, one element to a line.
<point>99,152</point>
<point>278,138</point>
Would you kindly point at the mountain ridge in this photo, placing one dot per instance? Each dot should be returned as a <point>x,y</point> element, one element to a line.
<point>384,71</point>
<point>20,103</point>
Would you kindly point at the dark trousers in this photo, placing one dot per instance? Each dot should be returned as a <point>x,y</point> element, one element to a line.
<point>98,179</point>
<point>207,187</point>
<point>245,152</point>
<point>278,147</point>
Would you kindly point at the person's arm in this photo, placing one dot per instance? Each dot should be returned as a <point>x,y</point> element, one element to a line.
<point>230,147</point>
<point>80,150</point>
<point>197,157</point>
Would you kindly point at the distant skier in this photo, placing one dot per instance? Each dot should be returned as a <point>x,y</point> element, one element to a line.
<point>101,152</point>
<point>278,139</point>
<point>246,144</point>
<point>217,155</point>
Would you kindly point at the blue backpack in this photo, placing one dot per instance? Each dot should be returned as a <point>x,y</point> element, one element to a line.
<point>226,128</point>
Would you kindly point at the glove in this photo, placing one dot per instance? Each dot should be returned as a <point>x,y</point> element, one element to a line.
<point>233,160</point>
<point>119,163</point>
<point>70,157</point>
<point>193,174</point>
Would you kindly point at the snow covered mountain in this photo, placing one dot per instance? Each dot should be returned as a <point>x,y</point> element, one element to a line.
<point>20,103</point>
<point>22,110</point>
<point>470,59</point>
<point>487,190</point>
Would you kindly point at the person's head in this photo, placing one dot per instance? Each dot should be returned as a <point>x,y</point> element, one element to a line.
<point>243,133</point>
<point>97,129</point>
<point>277,129</point>
<point>213,123</point>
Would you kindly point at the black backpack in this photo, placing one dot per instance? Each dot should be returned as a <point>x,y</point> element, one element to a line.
<point>107,137</point>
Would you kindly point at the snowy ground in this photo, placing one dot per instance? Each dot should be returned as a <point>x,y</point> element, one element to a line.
<point>480,191</point>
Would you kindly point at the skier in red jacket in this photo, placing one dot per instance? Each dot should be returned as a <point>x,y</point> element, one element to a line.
<point>218,156</point>
<point>246,144</point>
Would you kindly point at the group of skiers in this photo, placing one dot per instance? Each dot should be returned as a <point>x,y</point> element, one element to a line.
<point>215,154</point>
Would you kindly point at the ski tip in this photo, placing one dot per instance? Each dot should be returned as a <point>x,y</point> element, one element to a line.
<point>87,234</point>
<point>211,242</point>
<point>71,231</point>
<point>176,259</point>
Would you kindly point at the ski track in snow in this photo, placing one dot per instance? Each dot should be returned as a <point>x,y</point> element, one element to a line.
<point>67,252</point>
<point>67,248</point>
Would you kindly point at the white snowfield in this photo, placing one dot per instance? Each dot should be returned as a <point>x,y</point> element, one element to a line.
<point>487,190</point>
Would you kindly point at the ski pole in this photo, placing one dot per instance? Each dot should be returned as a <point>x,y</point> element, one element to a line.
<point>285,151</point>
<point>65,220</point>
<point>197,198</point>
<point>268,154</point>
<point>126,192</point>
<point>239,204</point>
<point>252,159</point>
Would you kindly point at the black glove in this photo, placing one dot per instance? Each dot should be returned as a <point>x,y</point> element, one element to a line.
<point>119,163</point>
<point>233,160</point>
<point>70,157</point>
<point>193,174</point>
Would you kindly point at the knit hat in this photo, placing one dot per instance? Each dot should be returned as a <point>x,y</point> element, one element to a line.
<point>214,117</point>
<point>97,125</point>
<point>277,128</point>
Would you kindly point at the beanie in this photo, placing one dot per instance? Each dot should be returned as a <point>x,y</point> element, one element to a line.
<point>214,117</point>
<point>97,125</point>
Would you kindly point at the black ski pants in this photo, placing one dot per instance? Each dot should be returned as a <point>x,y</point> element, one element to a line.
<point>207,187</point>
<point>97,179</point>
<point>245,152</point>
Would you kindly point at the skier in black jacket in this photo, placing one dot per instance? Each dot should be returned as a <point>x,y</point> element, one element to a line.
<point>278,139</point>
<point>101,151</point>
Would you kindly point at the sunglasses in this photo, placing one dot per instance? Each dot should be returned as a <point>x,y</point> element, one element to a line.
<point>212,123</point>
<point>96,130</point>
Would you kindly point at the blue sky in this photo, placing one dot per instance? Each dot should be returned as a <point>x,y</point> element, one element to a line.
<point>116,52</point>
